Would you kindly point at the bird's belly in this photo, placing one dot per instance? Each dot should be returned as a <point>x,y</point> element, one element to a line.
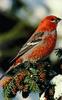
<point>41,50</point>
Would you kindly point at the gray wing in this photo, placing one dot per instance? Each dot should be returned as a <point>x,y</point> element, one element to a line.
<point>29,44</point>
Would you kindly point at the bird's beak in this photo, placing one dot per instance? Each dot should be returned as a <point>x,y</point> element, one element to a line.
<point>58,20</point>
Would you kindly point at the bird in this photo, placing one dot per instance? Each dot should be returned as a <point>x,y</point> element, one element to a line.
<point>38,46</point>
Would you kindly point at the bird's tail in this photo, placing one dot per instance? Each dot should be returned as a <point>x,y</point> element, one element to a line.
<point>5,78</point>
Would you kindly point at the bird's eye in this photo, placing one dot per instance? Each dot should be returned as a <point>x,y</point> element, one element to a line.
<point>52,20</point>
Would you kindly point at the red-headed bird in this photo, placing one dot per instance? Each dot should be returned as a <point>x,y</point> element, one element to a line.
<point>39,46</point>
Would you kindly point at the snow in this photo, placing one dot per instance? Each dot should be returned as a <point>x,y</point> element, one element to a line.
<point>32,96</point>
<point>57,81</point>
<point>42,96</point>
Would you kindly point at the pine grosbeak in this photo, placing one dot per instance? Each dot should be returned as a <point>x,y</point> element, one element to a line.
<point>40,44</point>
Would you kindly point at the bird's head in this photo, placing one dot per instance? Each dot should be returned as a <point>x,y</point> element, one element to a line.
<point>52,19</point>
<point>49,23</point>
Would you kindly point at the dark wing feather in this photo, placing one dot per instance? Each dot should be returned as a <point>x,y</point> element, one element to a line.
<point>29,44</point>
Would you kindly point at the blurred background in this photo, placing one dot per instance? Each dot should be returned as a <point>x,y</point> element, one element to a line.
<point>18,20</point>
